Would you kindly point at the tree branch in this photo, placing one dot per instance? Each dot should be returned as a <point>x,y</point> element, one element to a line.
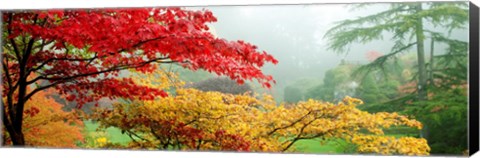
<point>28,49</point>
<point>64,58</point>
<point>11,89</point>
<point>7,74</point>
<point>298,137</point>
<point>42,45</point>
<point>291,124</point>
<point>90,60</point>
<point>12,41</point>
<point>6,121</point>
<point>379,62</point>
<point>143,42</point>
<point>136,135</point>
<point>60,80</point>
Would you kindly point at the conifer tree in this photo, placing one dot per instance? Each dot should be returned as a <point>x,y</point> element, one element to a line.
<point>408,23</point>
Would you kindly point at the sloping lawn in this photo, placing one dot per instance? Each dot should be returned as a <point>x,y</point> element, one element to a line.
<point>333,146</point>
<point>114,135</point>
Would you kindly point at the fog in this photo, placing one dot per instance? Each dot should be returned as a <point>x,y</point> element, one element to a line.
<point>293,34</point>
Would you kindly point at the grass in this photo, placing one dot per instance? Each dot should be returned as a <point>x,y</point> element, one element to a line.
<point>114,135</point>
<point>314,146</point>
<point>333,146</point>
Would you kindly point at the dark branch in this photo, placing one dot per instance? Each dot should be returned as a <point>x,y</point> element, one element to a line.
<point>136,135</point>
<point>298,137</point>
<point>379,62</point>
<point>58,59</point>
<point>42,45</point>
<point>12,41</point>
<point>28,49</point>
<point>10,92</point>
<point>291,124</point>
<point>60,80</point>
<point>6,121</point>
<point>7,74</point>
<point>90,60</point>
<point>142,42</point>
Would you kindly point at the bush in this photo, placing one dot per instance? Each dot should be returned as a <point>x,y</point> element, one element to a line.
<point>221,84</point>
<point>292,94</point>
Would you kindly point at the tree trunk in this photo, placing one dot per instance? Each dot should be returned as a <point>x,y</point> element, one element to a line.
<point>432,44</point>
<point>14,130</point>
<point>18,139</point>
<point>13,120</point>
<point>17,121</point>
<point>422,73</point>
<point>15,136</point>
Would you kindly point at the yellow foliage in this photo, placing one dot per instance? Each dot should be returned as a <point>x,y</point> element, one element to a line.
<point>191,120</point>
<point>101,141</point>
<point>264,125</point>
<point>388,145</point>
<point>162,79</point>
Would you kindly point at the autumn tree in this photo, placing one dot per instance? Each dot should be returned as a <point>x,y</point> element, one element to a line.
<point>196,120</point>
<point>190,119</point>
<point>84,51</point>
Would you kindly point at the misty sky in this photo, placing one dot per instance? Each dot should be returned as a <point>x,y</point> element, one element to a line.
<point>293,34</point>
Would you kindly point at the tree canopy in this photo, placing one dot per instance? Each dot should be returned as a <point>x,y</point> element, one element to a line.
<point>444,74</point>
<point>85,51</point>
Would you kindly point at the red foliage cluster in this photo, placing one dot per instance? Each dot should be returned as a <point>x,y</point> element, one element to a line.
<point>85,50</point>
<point>231,141</point>
<point>32,111</point>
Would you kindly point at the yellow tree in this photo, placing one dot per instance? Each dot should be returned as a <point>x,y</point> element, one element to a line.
<point>190,119</point>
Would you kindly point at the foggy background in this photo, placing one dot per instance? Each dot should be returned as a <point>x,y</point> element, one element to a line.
<point>293,34</point>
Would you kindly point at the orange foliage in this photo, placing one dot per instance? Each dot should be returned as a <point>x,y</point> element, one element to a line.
<point>45,124</point>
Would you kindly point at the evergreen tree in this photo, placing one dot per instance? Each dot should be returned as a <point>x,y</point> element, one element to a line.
<point>407,22</point>
<point>331,83</point>
<point>337,84</point>
<point>292,94</point>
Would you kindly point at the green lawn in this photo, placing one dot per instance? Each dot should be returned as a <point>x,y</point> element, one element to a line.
<point>333,146</point>
<point>114,135</point>
<point>314,146</point>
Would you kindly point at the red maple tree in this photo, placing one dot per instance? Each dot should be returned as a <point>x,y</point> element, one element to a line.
<point>83,51</point>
